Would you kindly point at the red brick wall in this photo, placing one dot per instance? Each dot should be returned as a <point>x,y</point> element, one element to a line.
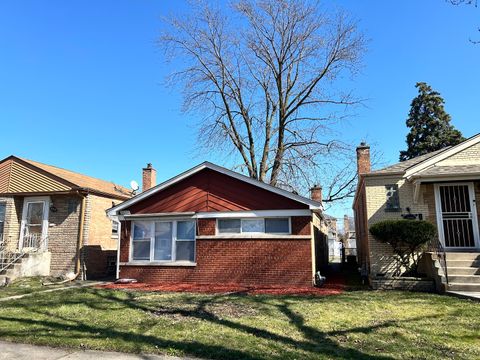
<point>248,262</point>
<point>242,261</point>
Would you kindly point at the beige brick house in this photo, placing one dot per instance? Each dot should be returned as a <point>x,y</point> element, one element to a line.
<point>442,187</point>
<point>56,219</point>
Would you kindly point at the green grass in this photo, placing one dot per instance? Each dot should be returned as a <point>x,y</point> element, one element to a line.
<point>356,324</point>
<point>27,285</point>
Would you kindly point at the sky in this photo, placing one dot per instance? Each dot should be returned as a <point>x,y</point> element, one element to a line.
<point>82,83</point>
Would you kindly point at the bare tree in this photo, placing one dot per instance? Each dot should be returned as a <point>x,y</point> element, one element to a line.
<point>265,76</point>
<point>466,2</point>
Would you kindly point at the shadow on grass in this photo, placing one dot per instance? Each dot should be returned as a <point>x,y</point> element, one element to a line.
<point>51,324</point>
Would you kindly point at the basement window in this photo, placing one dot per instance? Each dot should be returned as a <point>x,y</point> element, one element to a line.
<point>254,226</point>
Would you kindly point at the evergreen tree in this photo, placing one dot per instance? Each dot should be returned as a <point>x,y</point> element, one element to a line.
<point>429,124</point>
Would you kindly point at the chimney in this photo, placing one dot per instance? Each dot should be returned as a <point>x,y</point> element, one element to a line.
<point>363,159</point>
<point>316,193</point>
<point>149,177</point>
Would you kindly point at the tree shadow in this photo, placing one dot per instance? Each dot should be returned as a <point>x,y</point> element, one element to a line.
<point>314,342</point>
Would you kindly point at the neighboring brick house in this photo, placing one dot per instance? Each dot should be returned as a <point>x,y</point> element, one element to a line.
<point>59,213</point>
<point>441,187</point>
<point>213,225</point>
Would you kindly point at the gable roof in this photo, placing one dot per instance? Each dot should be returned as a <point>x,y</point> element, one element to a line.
<point>207,165</point>
<point>401,167</point>
<point>421,163</point>
<point>23,175</point>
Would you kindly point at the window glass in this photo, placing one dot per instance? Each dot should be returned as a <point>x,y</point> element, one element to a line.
<point>277,225</point>
<point>142,230</point>
<point>114,228</point>
<point>141,240</point>
<point>393,200</point>
<point>186,230</point>
<point>2,217</point>
<point>253,226</point>
<point>163,241</point>
<point>141,250</point>
<point>229,226</point>
<point>185,251</point>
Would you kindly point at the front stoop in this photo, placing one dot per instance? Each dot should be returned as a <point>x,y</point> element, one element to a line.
<point>463,272</point>
<point>33,264</point>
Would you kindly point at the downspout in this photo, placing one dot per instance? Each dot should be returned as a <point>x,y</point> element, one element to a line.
<point>80,234</point>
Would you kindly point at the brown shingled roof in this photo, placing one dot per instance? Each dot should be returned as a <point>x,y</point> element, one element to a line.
<point>84,181</point>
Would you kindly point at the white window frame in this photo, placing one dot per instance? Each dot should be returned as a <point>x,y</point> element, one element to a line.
<point>217,232</point>
<point>174,242</point>
<point>4,203</point>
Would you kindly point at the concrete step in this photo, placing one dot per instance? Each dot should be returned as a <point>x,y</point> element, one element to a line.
<point>463,287</point>
<point>464,279</point>
<point>462,263</point>
<point>463,271</point>
<point>463,256</point>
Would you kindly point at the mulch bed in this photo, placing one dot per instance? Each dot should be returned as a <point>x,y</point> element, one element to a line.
<point>334,286</point>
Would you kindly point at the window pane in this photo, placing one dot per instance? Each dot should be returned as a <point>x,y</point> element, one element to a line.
<point>185,251</point>
<point>2,218</point>
<point>3,207</point>
<point>253,225</point>
<point>229,226</point>
<point>186,230</point>
<point>141,250</point>
<point>279,225</point>
<point>34,213</point>
<point>163,241</point>
<point>142,230</point>
<point>114,228</point>
<point>393,200</point>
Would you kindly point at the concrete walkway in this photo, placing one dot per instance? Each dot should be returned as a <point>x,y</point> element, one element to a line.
<point>465,295</point>
<point>11,351</point>
<point>67,287</point>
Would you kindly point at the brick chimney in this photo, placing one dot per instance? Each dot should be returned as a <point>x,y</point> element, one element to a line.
<point>149,177</point>
<point>316,193</point>
<point>363,159</point>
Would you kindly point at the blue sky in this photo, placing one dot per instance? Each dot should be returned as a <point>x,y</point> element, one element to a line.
<point>81,82</point>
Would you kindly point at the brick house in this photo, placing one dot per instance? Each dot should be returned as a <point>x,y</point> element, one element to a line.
<point>441,187</point>
<point>213,225</point>
<point>53,221</point>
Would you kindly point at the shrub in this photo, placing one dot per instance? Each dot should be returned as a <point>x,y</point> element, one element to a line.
<point>408,238</point>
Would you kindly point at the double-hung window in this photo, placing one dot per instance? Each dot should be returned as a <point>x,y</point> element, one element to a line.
<point>254,226</point>
<point>163,241</point>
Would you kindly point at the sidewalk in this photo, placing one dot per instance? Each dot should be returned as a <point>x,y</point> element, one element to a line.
<point>12,351</point>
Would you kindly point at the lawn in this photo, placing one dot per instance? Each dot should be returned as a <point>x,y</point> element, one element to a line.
<point>28,285</point>
<point>356,324</point>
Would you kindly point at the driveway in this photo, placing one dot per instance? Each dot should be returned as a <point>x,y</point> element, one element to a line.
<point>10,351</point>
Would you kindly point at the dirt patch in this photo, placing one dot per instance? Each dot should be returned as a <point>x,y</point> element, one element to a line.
<point>209,311</point>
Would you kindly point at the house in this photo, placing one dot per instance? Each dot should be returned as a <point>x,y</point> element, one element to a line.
<point>53,221</point>
<point>332,236</point>
<point>441,187</point>
<point>213,225</point>
<point>349,237</point>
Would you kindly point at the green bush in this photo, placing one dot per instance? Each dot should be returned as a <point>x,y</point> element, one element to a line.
<point>408,238</point>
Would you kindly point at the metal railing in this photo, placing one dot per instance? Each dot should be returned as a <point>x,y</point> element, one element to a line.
<point>438,250</point>
<point>29,244</point>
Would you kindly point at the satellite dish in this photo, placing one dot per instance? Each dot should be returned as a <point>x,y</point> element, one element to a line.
<point>134,185</point>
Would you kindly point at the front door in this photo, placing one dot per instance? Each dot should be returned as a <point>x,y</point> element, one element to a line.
<point>457,216</point>
<point>34,223</point>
